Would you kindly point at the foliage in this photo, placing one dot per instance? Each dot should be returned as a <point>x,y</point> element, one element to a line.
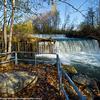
<point>23,28</point>
<point>90,17</point>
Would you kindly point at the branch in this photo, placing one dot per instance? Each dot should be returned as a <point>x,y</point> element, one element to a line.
<point>82,4</point>
<point>73,7</point>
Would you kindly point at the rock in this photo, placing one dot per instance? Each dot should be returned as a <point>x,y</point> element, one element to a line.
<point>12,82</point>
<point>10,90</point>
<point>88,93</point>
<point>69,69</point>
<point>94,87</point>
<point>81,79</point>
<point>29,80</point>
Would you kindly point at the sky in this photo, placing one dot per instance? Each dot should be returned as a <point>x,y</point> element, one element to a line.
<point>75,17</point>
<point>82,5</point>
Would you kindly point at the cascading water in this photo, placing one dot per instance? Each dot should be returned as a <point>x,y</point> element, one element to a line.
<point>79,50</point>
<point>75,46</point>
<point>81,53</point>
<point>49,35</point>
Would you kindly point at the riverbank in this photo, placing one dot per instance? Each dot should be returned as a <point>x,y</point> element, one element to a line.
<point>47,85</point>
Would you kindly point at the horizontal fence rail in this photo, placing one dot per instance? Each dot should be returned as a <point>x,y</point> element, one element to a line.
<point>24,56</point>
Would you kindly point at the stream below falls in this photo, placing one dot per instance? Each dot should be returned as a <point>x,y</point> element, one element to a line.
<point>84,54</point>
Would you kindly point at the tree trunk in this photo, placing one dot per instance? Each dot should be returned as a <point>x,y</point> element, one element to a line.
<point>99,14</point>
<point>5,25</point>
<point>11,26</point>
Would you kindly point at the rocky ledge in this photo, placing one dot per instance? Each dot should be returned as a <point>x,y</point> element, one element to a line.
<point>13,82</point>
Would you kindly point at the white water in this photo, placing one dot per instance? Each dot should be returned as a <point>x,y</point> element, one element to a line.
<point>77,51</point>
<point>49,35</point>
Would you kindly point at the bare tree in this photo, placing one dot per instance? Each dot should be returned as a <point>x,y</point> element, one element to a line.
<point>11,26</point>
<point>98,13</point>
<point>5,24</point>
<point>90,17</point>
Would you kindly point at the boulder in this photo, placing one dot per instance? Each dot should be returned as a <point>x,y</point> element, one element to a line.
<point>12,82</point>
<point>81,79</point>
<point>69,69</point>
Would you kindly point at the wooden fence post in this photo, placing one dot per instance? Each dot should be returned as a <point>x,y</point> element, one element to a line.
<point>16,58</point>
<point>59,73</point>
<point>35,58</point>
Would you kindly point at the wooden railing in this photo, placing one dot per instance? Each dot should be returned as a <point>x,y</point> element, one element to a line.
<point>21,56</point>
<point>16,57</point>
<point>62,73</point>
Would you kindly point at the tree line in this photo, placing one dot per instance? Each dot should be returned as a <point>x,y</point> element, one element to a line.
<point>10,12</point>
<point>14,22</point>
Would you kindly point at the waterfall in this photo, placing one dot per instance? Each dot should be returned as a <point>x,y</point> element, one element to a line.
<point>70,46</point>
<point>73,50</point>
<point>81,51</point>
<point>49,35</point>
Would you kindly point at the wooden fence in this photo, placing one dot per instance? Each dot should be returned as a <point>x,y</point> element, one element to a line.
<point>38,47</point>
<point>61,73</point>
